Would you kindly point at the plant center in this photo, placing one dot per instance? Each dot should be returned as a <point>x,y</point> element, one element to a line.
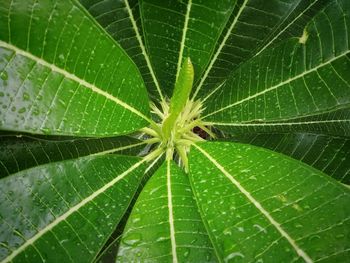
<point>175,141</point>
<point>178,117</point>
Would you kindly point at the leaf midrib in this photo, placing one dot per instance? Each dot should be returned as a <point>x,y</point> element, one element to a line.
<point>171,213</point>
<point>70,211</point>
<point>73,77</point>
<point>279,84</point>
<point>143,49</point>
<point>218,51</point>
<point>260,208</point>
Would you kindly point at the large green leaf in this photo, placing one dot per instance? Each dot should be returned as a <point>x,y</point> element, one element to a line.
<point>22,152</point>
<point>174,30</point>
<point>253,26</point>
<point>110,251</point>
<point>302,84</point>
<point>329,154</point>
<point>259,206</point>
<point>65,76</point>
<point>165,225</point>
<point>65,211</point>
<point>294,24</point>
<point>121,19</point>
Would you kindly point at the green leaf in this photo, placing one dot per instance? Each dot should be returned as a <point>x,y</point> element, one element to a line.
<point>259,206</point>
<point>300,85</point>
<point>74,75</point>
<point>22,152</point>
<point>329,154</point>
<point>65,76</point>
<point>180,96</point>
<point>252,26</point>
<point>65,210</point>
<point>109,252</point>
<point>174,30</point>
<point>165,224</point>
<point>294,24</point>
<point>121,19</point>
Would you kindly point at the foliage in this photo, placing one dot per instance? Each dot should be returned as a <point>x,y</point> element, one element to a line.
<point>199,131</point>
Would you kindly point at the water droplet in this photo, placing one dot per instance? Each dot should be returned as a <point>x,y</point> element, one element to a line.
<point>136,219</point>
<point>240,229</point>
<point>22,110</point>
<point>161,239</point>
<point>233,255</point>
<point>26,96</point>
<point>35,111</point>
<point>186,253</point>
<point>61,57</point>
<point>4,75</point>
<point>297,225</point>
<point>193,241</point>
<point>132,239</point>
<point>46,130</point>
<point>227,232</point>
<point>260,228</point>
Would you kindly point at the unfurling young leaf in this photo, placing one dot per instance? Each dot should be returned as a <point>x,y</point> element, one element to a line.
<point>180,96</point>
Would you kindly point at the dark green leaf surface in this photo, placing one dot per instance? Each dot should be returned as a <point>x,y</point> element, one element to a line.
<point>165,225</point>
<point>121,19</point>
<point>64,212</point>
<point>65,76</point>
<point>251,25</point>
<point>174,30</point>
<point>19,153</point>
<point>259,206</point>
<point>294,24</point>
<point>334,123</point>
<point>111,251</point>
<point>74,75</point>
<point>295,86</point>
<point>328,154</point>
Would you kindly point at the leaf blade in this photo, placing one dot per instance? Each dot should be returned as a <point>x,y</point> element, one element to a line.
<point>184,29</point>
<point>328,154</point>
<point>268,202</point>
<point>121,19</point>
<point>19,153</point>
<point>168,231</point>
<point>60,69</point>
<point>251,25</point>
<point>45,222</point>
<point>309,83</point>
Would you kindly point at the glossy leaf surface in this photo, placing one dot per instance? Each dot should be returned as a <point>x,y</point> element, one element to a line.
<point>251,26</point>
<point>64,210</point>
<point>268,207</point>
<point>65,76</point>
<point>329,154</point>
<point>121,19</point>
<point>165,225</point>
<point>301,84</point>
<point>293,25</point>
<point>19,153</point>
<point>74,74</point>
<point>174,30</point>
